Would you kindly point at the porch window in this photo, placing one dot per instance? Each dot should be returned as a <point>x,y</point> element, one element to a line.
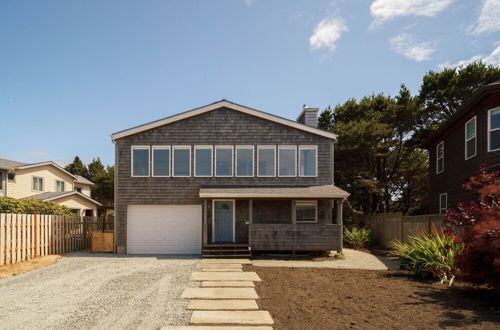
<point>306,211</point>
<point>470,138</point>
<point>181,160</point>
<point>494,129</point>
<point>440,157</point>
<point>266,161</point>
<point>161,161</point>
<point>308,160</point>
<point>37,183</point>
<point>443,203</point>
<point>244,161</point>
<point>203,161</point>
<point>140,161</point>
<point>59,186</point>
<point>287,161</point>
<point>223,161</point>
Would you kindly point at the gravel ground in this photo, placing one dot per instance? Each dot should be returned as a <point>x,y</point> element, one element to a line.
<point>92,291</point>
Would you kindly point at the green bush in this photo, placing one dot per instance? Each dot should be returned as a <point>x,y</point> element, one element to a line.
<point>358,237</point>
<point>428,255</point>
<point>31,206</point>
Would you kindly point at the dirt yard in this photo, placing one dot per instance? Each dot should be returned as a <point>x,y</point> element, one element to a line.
<point>311,298</point>
<point>29,265</point>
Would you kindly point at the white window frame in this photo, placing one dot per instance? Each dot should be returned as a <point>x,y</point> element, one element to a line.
<point>305,202</point>
<point>232,160</point>
<point>211,160</point>
<point>468,139</point>
<point>132,148</point>
<point>62,183</point>
<point>287,147</point>
<point>159,147</point>
<point>263,147</point>
<point>180,147</point>
<point>490,130</point>
<point>33,185</point>
<point>308,147</point>
<point>244,147</point>
<point>441,208</point>
<point>437,158</point>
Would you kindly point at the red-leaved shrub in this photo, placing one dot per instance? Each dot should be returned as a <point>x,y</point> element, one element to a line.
<point>477,225</point>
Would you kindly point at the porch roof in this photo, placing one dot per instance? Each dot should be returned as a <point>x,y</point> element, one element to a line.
<point>273,191</point>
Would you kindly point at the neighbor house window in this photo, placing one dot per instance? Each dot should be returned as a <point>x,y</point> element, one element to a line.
<point>79,189</point>
<point>244,160</point>
<point>308,160</point>
<point>440,157</point>
<point>443,203</point>
<point>140,161</point>
<point>470,138</point>
<point>161,161</point>
<point>12,177</point>
<point>287,161</point>
<point>59,186</point>
<point>203,161</point>
<point>223,161</point>
<point>306,211</point>
<point>494,129</point>
<point>37,183</point>
<point>266,161</point>
<point>181,161</point>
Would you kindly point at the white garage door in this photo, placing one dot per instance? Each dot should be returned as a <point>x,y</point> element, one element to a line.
<point>164,229</point>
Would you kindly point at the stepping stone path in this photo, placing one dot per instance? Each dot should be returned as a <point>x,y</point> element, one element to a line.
<point>226,298</point>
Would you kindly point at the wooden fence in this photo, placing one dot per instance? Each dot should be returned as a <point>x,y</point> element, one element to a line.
<point>25,236</point>
<point>396,226</point>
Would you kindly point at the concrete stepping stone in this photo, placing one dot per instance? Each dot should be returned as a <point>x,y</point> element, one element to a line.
<point>227,261</point>
<point>231,317</point>
<point>222,305</point>
<point>228,284</point>
<point>219,293</point>
<point>227,327</point>
<point>225,276</point>
<point>221,270</point>
<point>201,266</point>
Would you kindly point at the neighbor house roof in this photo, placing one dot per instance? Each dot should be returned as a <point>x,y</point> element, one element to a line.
<point>272,191</point>
<point>50,196</point>
<point>218,105</point>
<point>7,164</point>
<point>81,179</point>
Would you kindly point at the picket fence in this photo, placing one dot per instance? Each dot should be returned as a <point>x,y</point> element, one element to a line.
<point>26,236</point>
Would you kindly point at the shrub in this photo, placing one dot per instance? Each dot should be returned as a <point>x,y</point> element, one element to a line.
<point>428,255</point>
<point>358,237</point>
<point>31,206</point>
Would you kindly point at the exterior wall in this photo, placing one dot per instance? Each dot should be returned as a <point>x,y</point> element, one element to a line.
<point>77,202</point>
<point>3,183</point>
<point>218,127</point>
<point>85,188</point>
<point>457,170</point>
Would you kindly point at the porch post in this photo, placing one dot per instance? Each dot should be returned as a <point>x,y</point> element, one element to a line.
<point>205,221</point>
<point>250,220</point>
<point>340,222</point>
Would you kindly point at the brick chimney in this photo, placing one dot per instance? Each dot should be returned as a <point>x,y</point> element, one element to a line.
<point>308,116</point>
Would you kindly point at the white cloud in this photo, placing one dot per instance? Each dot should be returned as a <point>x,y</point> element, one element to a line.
<point>491,59</point>
<point>406,45</point>
<point>327,32</point>
<point>385,10</point>
<point>489,18</point>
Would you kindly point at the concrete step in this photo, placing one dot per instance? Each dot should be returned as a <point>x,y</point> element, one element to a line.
<point>222,305</point>
<point>227,284</point>
<point>209,265</point>
<point>219,293</point>
<point>224,327</point>
<point>225,276</point>
<point>232,317</point>
<point>225,269</point>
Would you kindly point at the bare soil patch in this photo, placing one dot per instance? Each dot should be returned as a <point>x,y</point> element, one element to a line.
<point>312,298</point>
<point>28,265</point>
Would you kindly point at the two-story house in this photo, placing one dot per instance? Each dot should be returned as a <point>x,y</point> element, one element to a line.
<point>458,148</point>
<point>47,181</point>
<point>226,178</point>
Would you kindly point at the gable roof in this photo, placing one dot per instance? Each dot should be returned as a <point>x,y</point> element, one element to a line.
<point>218,105</point>
<point>50,196</point>
<point>7,164</point>
<point>81,179</point>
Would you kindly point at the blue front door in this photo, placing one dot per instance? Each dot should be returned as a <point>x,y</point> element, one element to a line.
<point>223,221</point>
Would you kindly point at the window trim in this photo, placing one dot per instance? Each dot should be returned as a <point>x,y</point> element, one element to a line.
<point>180,147</point>
<point>32,183</point>
<point>437,158</point>
<point>305,202</point>
<point>307,147</point>
<point>232,160</point>
<point>490,130</point>
<point>468,139</point>
<point>287,147</point>
<point>243,147</point>
<point>63,185</point>
<point>132,148</point>
<point>161,147</point>
<point>264,147</point>
<point>202,147</point>
<point>443,208</point>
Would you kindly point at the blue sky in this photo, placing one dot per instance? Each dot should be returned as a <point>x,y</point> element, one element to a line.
<point>73,72</point>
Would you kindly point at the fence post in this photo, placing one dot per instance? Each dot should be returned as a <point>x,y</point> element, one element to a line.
<point>2,239</point>
<point>37,235</point>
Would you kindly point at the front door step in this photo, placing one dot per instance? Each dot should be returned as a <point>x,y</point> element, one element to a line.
<point>222,305</point>
<point>231,317</point>
<point>219,293</point>
<point>226,261</point>
<point>228,284</point>
<point>227,327</point>
<point>225,276</point>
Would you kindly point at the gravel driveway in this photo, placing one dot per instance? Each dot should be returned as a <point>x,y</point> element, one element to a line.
<point>92,291</point>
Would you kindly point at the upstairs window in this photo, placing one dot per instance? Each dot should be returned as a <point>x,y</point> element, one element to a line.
<point>161,161</point>
<point>308,160</point>
<point>79,189</point>
<point>266,161</point>
<point>440,157</point>
<point>494,129</point>
<point>140,161</point>
<point>244,161</point>
<point>287,161</point>
<point>203,161</point>
<point>443,203</point>
<point>306,211</point>
<point>470,138</point>
<point>181,161</point>
<point>37,184</point>
<point>223,161</point>
<point>59,186</point>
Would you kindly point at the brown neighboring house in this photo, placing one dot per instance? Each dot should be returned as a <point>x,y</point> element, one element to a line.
<point>227,179</point>
<point>458,148</point>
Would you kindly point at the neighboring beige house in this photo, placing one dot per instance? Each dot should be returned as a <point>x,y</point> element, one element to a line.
<point>47,181</point>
